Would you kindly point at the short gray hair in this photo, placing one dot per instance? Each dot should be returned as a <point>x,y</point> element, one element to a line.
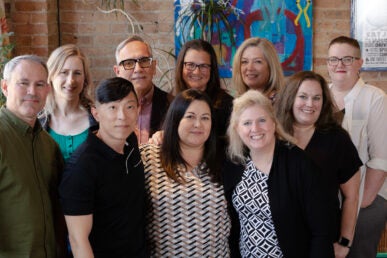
<point>128,40</point>
<point>11,64</point>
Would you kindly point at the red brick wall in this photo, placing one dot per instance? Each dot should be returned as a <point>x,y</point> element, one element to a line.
<point>35,26</point>
<point>34,23</point>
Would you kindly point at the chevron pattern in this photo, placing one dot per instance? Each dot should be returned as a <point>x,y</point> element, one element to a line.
<point>184,220</point>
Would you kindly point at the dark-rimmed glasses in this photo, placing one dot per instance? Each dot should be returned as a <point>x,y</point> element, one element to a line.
<point>143,62</point>
<point>346,60</point>
<point>192,67</point>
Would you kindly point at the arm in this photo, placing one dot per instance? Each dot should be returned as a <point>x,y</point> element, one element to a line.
<point>374,179</point>
<point>79,228</point>
<point>376,165</point>
<point>350,191</point>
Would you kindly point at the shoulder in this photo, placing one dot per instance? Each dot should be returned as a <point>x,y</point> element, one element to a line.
<point>369,94</point>
<point>223,100</point>
<point>86,154</point>
<point>161,93</point>
<point>373,90</point>
<point>290,157</point>
<point>231,174</point>
<point>333,133</point>
<point>227,98</point>
<point>47,139</point>
<point>161,97</point>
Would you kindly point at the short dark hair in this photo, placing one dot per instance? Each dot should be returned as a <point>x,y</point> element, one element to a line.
<point>113,89</point>
<point>346,40</point>
<point>170,150</point>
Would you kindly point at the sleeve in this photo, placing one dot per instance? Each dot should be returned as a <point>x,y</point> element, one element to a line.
<point>348,159</point>
<point>377,136</point>
<point>77,187</point>
<point>231,175</point>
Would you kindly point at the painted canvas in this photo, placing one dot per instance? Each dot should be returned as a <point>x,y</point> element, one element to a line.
<point>286,23</point>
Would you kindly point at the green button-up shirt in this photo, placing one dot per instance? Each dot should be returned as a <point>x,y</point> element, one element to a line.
<point>30,162</point>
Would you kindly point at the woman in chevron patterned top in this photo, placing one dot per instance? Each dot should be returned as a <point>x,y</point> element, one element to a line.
<point>187,211</point>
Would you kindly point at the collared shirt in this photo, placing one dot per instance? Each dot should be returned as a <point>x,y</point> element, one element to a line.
<point>97,180</point>
<point>30,161</point>
<point>366,121</point>
<point>144,116</point>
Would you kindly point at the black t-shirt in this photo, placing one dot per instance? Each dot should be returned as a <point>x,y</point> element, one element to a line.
<point>110,186</point>
<point>338,159</point>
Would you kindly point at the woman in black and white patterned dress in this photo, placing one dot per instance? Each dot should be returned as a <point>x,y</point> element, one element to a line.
<point>187,211</point>
<point>273,189</point>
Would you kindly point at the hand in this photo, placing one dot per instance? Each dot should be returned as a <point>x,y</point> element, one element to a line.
<point>157,138</point>
<point>340,251</point>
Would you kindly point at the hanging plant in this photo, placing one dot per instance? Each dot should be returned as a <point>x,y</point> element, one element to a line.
<point>207,20</point>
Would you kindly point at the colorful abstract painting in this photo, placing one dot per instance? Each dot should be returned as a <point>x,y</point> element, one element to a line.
<point>287,24</point>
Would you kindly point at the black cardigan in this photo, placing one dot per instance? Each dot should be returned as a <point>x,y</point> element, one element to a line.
<point>297,202</point>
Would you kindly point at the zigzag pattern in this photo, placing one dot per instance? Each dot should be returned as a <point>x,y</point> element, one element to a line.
<point>184,220</point>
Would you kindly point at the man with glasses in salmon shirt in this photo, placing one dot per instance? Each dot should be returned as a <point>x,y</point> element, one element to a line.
<point>365,118</point>
<point>135,62</point>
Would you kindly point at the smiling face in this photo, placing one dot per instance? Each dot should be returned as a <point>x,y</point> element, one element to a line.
<point>341,73</point>
<point>254,68</point>
<point>141,78</point>
<point>197,79</point>
<point>117,119</point>
<point>256,129</point>
<point>308,103</point>
<point>68,83</point>
<point>26,90</point>
<point>195,126</point>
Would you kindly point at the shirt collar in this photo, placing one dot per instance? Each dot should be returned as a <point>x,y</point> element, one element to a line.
<point>148,97</point>
<point>355,91</point>
<point>20,125</point>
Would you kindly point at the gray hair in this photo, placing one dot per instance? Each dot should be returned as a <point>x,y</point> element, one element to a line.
<point>128,40</point>
<point>11,64</point>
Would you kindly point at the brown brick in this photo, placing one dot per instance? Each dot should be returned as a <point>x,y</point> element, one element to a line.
<point>31,6</point>
<point>22,18</point>
<point>31,29</point>
<point>98,33</point>
<point>42,17</point>
<point>40,40</point>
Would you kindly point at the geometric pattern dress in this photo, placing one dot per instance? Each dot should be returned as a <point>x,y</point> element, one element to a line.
<point>250,199</point>
<point>184,220</point>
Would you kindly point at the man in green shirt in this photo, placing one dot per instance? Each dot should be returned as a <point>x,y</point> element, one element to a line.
<point>30,162</point>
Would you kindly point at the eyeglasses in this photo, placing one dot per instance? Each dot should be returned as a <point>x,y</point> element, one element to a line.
<point>192,67</point>
<point>346,60</point>
<point>143,62</point>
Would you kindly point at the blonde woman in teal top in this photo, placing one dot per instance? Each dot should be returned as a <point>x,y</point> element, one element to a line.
<point>66,116</point>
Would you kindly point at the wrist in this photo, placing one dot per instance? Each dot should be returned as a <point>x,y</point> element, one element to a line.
<point>344,242</point>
